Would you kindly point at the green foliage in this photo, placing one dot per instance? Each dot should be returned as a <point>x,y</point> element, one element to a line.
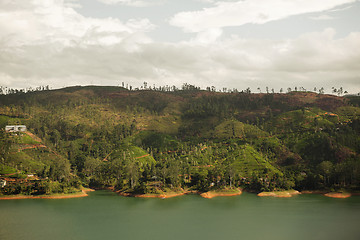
<point>156,140</point>
<point>151,141</point>
<point>25,139</point>
<point>316,148</point>
<point>6,170</point>
<point>7,120</point>
<point>229,129</point>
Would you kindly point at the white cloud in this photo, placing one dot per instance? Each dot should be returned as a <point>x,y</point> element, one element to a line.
<point>205,1</point>
<point>249,11</point>
<point>53,21</point>
<point>313,59</point>
<point>341,9</point>
<point>132,3</point>
<point>208,36</point>
<point>72,4</point>
<point>49,43</point>
<point>322,17</point>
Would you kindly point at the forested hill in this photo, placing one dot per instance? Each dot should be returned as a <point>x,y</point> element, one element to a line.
<point>150,141</point>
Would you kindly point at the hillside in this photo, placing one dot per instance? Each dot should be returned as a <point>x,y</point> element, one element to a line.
<point>150,141</point>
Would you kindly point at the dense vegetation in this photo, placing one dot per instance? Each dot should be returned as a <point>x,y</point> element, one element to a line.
<point>156,140</point>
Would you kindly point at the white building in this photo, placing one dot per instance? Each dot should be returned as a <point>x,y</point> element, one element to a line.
<point>15,128</point>
<point>2,183</point>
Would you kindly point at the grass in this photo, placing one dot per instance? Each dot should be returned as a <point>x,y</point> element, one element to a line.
<point>235,129</point>
<point>225,190</point>
<point>151,139</point>
<point>141,155</point>
<point>135,153</point>
<point>5,120</point>
<point>307,119</point>
<point>221,192</point>
<point>26,139</point>
<point>165,124</point>
<point>6,169</point>
<point>285,193</point>
<point>249,160</point>
<point>33,160</point>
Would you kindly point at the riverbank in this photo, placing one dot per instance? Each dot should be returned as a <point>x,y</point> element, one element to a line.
<point>164,195</point>
<point>280,194</point>
<point>153,195</point>
<point>221,193</point>
<point>331,194</point>
<point>338,195</point>
<point>210,194</point>
<point>83,193</point>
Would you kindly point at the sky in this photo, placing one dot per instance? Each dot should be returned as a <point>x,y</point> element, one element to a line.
<point>227,43</point>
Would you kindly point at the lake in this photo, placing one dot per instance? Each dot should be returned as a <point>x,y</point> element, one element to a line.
<point>104,215</point>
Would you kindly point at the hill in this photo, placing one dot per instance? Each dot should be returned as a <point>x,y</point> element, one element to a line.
<point>149,141</point>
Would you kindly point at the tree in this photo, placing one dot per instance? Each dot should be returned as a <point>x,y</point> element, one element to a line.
<point>200,179</point>
<point>325,169</point>
<point>5,144</point>
<point>60,169</point>
<point>340,91</point>
<point>56,136</point>
<point>334,90</point>
<point>133,173</point>
<point>91,165</point>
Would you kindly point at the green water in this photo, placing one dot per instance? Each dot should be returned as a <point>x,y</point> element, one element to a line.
<point>104,215</point>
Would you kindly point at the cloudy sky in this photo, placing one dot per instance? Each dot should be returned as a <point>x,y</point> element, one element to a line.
<point>227,43</point>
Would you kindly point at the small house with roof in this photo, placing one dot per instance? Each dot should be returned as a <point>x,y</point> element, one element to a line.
<point>2,183</point>
<point>15,128</point>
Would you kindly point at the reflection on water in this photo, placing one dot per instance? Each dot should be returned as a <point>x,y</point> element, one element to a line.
<point>104,215</point>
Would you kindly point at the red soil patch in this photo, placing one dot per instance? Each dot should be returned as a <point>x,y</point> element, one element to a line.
<point>31,146</point>
<point>282,194</point>
<point>142,156</point>
<point>82,194</point>
<point>220,194</point>
<point>338,195</point>
<point>35,138</point>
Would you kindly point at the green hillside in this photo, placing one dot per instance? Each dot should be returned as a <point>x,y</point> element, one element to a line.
<point>153,140</point>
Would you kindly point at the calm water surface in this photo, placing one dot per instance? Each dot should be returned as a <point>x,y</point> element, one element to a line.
<point>104,215</point>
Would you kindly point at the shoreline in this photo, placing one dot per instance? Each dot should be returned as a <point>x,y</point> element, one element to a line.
<point>155,195</point>
<point>280,194</point>
<point>331,194</point>
<point>337,195</point>
<point>221,193</point>
<point>209,194</point>
<point>83,193</point>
